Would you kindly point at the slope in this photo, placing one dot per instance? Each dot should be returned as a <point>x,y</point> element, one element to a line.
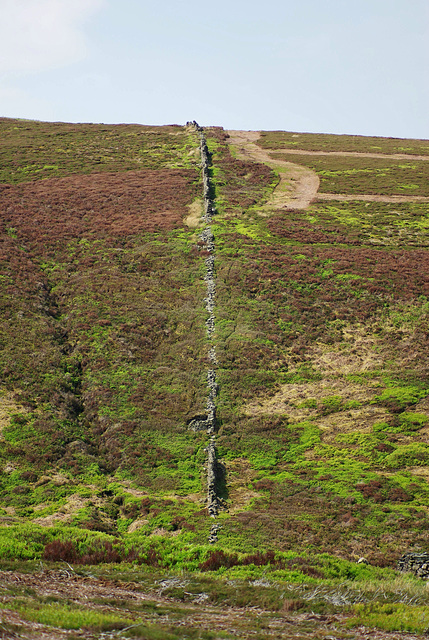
<point>102,363</point>
<point>324,384</point>
<point>320,325</point>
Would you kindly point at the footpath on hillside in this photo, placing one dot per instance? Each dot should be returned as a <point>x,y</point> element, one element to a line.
<point>298,185</point>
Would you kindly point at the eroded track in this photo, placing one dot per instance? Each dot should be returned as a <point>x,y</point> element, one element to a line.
<point>299,186</point>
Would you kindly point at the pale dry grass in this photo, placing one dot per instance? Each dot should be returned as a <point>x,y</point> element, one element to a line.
<point>66,513</point>
<point>8,407</point>
<point>137,524</point>
<point>360,352</point>
<point>196,211</point>
<point>70,509</point>
<point>362,420</point>
<point>291,398</point>
<point>239,475</point>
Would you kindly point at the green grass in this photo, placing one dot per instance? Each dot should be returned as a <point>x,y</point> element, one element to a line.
<point>391,617</point>
<point>71,617</point>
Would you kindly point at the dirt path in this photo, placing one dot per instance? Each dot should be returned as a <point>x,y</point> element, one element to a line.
<point>370,198</point>
<point>299,186</point>
<point>350,154</point>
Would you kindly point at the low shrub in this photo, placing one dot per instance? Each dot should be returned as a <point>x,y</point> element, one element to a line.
<point>98,552</point>
<point>397,398</point>
<point>219,558</point>
<point>409,455</point>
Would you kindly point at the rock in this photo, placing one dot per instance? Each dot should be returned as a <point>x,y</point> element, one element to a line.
<point>208,422</point>
<point>212,499</point>
<point>213,533</point>
<point>417,563</point>
<point>199,423</point>
<point>9,468</point>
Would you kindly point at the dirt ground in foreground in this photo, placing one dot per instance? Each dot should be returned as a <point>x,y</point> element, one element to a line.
<point>131,601</point>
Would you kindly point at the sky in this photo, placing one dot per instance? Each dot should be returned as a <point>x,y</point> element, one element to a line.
<point>325,66</point>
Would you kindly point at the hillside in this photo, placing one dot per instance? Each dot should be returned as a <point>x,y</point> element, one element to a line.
<point>265,319</point>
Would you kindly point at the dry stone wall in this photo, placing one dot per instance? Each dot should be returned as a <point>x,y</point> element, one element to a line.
<point>417,563</point>
<point>208,422</point>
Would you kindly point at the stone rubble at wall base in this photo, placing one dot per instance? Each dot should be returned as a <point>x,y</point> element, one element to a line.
<point>417,563</point>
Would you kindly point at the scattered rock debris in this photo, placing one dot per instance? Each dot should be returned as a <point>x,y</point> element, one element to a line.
<point>417,563</point>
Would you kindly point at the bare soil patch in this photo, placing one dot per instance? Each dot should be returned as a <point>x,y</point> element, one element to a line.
<point>299,185</point>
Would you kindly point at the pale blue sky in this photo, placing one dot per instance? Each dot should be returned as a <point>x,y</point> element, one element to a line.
<point>339,66</point>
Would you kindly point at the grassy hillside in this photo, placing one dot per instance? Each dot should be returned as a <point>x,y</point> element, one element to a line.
<point>101,322</point>
<point>323,408</point>
<point>324,402</point>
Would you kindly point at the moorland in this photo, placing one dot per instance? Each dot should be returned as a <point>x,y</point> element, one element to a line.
<point>322,409</point>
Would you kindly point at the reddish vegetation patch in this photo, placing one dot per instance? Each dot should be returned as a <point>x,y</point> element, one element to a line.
<point>218,558</point>
<point>100,551</point>
<point>103,203</point>
<point>310,283</point>
<point>20,274</point>
<point>400,274</point>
